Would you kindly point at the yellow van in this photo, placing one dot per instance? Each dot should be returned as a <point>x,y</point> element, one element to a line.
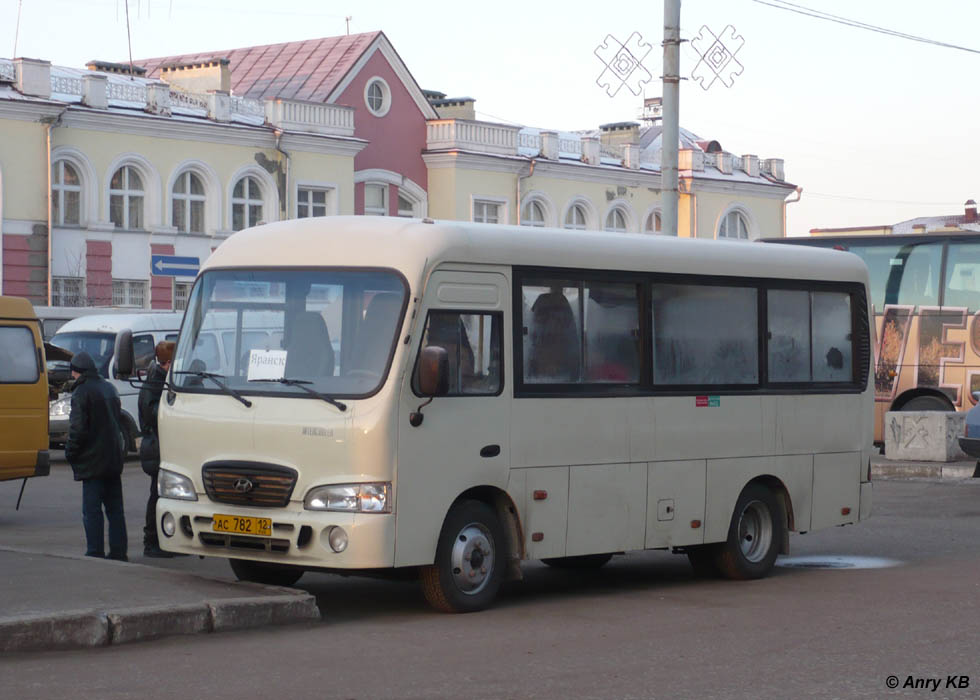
<point>23,392</point>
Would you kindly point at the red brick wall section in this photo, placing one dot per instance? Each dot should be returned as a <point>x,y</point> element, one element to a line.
<point>25,266</point>
<point>161,287</point>
<point>98,267</point>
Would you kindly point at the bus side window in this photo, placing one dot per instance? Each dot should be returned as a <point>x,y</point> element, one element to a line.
<point>473,343</point>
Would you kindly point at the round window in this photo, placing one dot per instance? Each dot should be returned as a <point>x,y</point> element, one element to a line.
<point>377,97</point>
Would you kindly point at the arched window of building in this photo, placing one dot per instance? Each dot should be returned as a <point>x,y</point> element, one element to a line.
<point>616,220</point>
<point>653,223</point>
<point>188,203</point>
<point>246,203</point>
<point>126,197</point>
<point>66,194</point>
<point>575,218</point>
<point>734,225</point>
<point>532,214</point>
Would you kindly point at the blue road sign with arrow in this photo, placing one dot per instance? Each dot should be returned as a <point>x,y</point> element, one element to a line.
<point>174,266</point>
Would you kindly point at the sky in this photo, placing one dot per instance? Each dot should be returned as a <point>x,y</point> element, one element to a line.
<point>874,128</point>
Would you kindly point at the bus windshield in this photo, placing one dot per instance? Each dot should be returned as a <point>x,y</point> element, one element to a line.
<point>332,331</point>
<point>99,345</point>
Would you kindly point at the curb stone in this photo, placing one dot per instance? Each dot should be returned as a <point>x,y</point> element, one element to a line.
<point>96,628</point>
<point>58,631</point>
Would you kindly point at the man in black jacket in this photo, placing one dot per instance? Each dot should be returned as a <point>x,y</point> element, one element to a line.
<point>95,452</point>
<point>149,404</point>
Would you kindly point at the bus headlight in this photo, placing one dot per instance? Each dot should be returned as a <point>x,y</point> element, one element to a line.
<point>173,485</point>
<point>350,498</point>
<point>59,407</point>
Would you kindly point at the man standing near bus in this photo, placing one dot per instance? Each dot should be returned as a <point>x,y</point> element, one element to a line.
<point>95,452</point>
<point>149,404</point>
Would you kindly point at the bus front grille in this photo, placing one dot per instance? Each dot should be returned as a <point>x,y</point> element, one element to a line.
<point>255,544</point>
<point>249,483</point>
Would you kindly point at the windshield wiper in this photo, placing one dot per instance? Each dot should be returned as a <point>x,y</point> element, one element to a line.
<point>302,384</point>
<point>215,378</point>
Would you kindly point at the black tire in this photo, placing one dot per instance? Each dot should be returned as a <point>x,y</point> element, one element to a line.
<point>262,572</point>
<point>703,560</point>
<point>581,562</point>
<point>755,535</point>
<point>470,560</point>
<point>927,403</point>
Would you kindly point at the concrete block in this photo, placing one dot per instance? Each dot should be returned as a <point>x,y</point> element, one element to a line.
<point>59,631</point>
<point>241,613</point>
<point>924,436</point>
<point>137,624</point>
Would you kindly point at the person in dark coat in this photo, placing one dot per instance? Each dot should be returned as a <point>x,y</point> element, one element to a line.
<point>95,452</point>
<point>149,404</point>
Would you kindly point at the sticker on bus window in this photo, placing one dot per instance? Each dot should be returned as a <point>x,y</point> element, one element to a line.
<point>707,401</point>
<point>896,262</point>
<point>266,364</point>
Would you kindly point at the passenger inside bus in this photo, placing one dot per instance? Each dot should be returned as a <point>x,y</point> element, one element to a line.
<point>308,350</point>
<point>554,353</point>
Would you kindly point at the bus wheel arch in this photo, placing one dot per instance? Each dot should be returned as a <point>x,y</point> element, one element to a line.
<point>757,532</point>
<point>922,399</point>
<point>510,522</point>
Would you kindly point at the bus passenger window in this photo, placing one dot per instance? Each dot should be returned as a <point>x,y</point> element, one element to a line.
<point>963,276</point>
<point>705,335</point>
<point>473,344</point>
<point>831,314</point>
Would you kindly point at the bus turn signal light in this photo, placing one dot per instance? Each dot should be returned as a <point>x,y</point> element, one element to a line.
<point>540,495</point>
<point>845,511</point>
<point>537,536</point>
<point>695,524</point>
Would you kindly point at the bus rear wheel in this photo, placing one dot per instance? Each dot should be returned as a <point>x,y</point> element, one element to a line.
<point>262,572</point>
<point>755,535</point>
<point>927,403</point>
<point>469,564</point>
<point>583,561</point>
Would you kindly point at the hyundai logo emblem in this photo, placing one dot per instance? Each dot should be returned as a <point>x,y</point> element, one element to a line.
<point>243,485</point>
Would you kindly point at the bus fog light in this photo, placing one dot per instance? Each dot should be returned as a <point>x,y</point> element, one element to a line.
<point>337,538</point>
<point>168,524</point>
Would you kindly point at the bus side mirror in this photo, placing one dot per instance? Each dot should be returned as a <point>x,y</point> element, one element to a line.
<point>433,379</point>
<point>434,371</point>
<point>124,354</point>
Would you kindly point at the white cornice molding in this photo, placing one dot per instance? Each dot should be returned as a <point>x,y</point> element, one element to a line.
<point>388,177</point>
<point>474,161</point>
<point>28,111</point>
<point>333,146</point>
<point>382,44</point>
<point>139,124</point>
<point>736,186</point>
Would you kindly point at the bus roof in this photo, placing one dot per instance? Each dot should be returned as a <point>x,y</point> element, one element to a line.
<point>113,323</point>
<point>413,246</point>
<point>16,308</point>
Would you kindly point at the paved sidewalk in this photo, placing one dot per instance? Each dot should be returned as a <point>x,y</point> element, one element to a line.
<point>882,468</point>
<point>62,602</point>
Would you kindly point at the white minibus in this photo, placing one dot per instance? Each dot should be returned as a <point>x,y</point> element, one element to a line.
<point>96,334</point>
<point>451,399</point>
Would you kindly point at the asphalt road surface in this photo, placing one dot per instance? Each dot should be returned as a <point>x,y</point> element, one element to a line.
<point>838,624</point>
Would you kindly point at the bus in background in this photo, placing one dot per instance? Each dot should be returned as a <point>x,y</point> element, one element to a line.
<point>449,399</point>
<point>925,290</point>
<point>96,335</point>
<point>23,393</point>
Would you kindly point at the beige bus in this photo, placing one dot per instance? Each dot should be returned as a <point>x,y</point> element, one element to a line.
<point>451,399</point>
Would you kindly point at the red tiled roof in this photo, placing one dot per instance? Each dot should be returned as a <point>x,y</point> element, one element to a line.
<point>297,70</point>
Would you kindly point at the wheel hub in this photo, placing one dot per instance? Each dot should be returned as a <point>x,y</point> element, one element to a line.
<point>472,558</point>
<point>755,531</point>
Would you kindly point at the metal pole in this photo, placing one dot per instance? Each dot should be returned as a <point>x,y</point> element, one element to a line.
<point>671,120</point>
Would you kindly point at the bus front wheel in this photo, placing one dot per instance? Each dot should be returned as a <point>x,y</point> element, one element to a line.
<point>755,535</point>
<point>469,564</point>
<point>262,572</point>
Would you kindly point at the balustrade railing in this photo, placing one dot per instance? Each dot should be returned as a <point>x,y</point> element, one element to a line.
<point>472,136</point>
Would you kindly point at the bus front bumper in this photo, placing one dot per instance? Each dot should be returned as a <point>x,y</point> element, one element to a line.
<point>299,537</point>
